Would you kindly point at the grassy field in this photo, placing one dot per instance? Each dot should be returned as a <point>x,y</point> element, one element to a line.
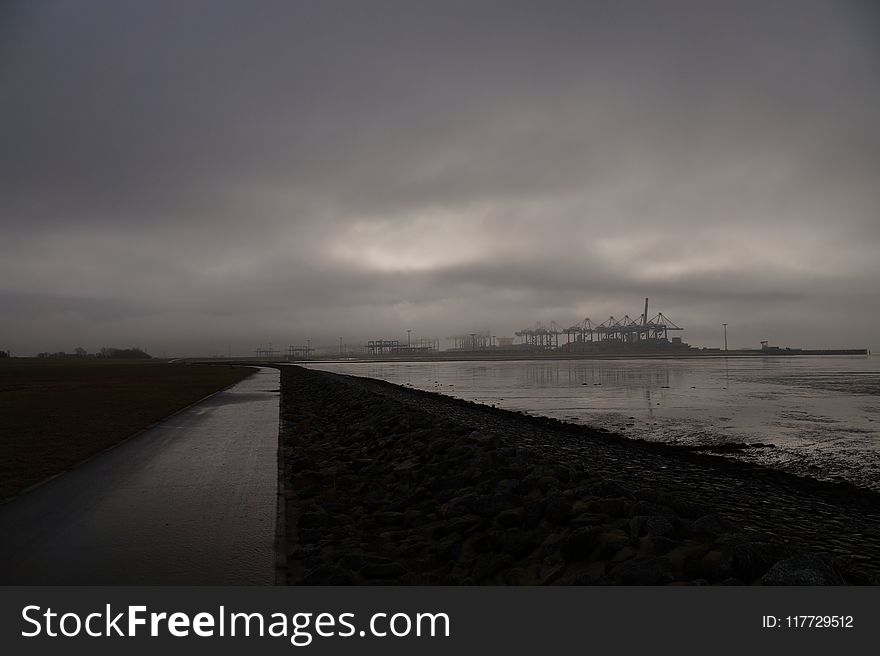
<point>55,413</point>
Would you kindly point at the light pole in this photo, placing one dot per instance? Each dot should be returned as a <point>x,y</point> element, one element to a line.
<point>725,335</point>
<point>408,343</point>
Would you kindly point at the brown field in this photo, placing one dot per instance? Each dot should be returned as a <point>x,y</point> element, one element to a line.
<point>55,413</point>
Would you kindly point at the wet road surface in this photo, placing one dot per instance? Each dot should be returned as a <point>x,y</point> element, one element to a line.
<point>189,501</point>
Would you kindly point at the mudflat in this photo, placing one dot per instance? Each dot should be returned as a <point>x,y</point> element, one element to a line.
<point>55,413</point>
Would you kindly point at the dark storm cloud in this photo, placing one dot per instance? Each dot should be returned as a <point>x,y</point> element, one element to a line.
<point>192,175</point>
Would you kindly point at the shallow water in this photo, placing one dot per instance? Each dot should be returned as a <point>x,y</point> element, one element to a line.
<point>820,414</point>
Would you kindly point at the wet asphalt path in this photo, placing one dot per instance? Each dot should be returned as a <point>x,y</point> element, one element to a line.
<point>189,501</point>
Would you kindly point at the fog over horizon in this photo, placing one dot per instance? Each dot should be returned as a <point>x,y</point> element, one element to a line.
<point>199,177</point>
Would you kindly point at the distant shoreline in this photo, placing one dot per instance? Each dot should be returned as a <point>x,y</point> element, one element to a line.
<point>513,356</point>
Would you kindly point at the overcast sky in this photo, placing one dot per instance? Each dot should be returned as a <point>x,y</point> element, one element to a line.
<point>196,176</point>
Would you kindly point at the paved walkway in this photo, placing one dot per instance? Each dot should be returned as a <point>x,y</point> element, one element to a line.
<point>189,501</point>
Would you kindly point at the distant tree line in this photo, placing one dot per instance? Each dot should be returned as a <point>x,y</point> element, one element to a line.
<point>4,354</point>
<point>109,353</point>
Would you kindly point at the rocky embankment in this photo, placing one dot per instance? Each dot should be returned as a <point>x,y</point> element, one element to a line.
<point>387,485</point>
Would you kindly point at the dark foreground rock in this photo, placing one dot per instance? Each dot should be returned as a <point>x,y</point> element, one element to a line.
<point>385,485</point>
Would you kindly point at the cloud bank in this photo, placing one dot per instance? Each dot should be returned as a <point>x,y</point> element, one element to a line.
<point>203,176</point>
